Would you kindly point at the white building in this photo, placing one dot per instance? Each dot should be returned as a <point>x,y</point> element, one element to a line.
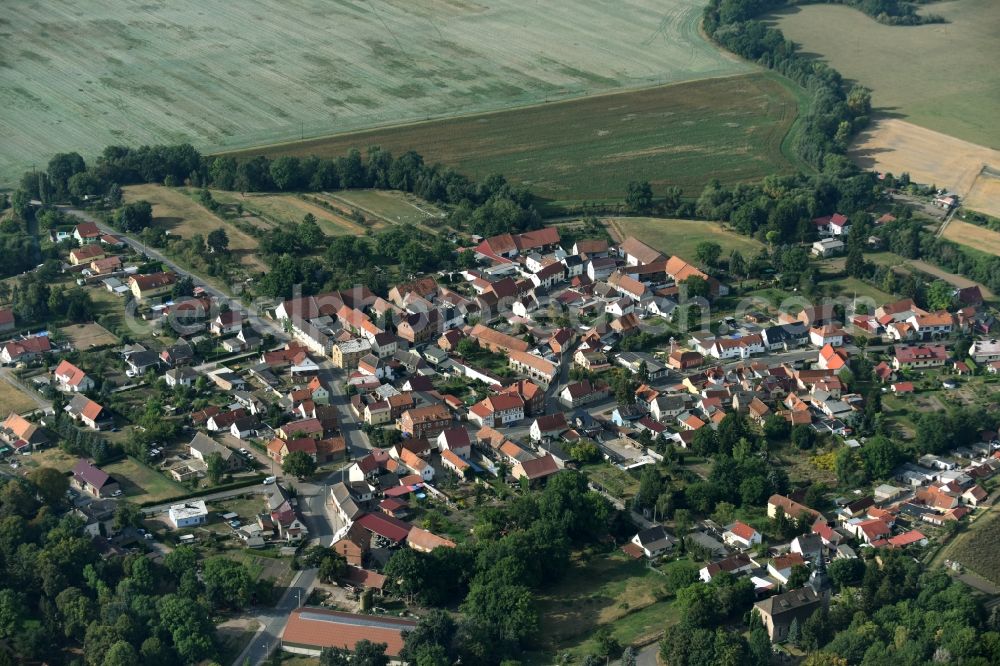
<point>188,514</point>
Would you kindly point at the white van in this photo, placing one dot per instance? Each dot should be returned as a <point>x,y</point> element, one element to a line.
<point>269,480</point>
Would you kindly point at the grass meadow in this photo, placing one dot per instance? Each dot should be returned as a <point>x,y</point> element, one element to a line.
<point>180,215</point>
<point>588,149</point>
<point>82,74</point>
<point>936,76</point>
<point>681,237</point>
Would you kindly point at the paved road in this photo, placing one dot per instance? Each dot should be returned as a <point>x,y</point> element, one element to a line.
<point>350,429</point>
<point>273,620</point>
<point>7,376</point>
<point>260,324</point>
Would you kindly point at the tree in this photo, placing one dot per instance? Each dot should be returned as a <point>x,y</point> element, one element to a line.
<point>694,287</point>
<point>707,253</point>
<point>940,295</point>
<point>798,577</point>
<point>607,644</point>
<point>846,572</point>
<point>183,287</point>
<point>881,455</point>
<point>121,654</point>
<point>803,436</point>
<point>333,567</point>
<point>127,514</point>
<point>12,613</point>
<point>134,217</point>
<point>737,264</point>
<point>299,464</point>
<point>216,467</point>
<point>628,657</point>
<point>227,583</point>
<point>793,632</point>
<point>217,240</point>
<point>51,483</point>
<point>367,653</point>
<point>639,196</point>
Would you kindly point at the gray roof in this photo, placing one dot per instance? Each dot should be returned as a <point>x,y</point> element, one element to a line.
<point>788,601</point>
<point>205,445</point>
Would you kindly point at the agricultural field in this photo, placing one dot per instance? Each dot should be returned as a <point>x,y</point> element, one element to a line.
<point>14,399</point>
<point>85,336</point>
<point>985,193</point>
<point>930,157</point>
<point>589,149</point>
<point>935,76</point>
<point>142,484</point>
<point>973,236</point>
<point>90,73</point>
<point>281,209</point>
<point>681,237</point>
<point>182,216</point>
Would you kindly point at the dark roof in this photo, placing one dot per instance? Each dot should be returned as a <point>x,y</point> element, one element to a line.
<point>386,526</point>
<point>788,601</point>
<point>90,475</point>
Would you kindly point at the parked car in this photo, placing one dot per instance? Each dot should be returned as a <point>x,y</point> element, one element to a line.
<point>117,493</point>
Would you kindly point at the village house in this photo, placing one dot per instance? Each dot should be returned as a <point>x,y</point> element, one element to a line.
<point>188,514</point>
<point>535,470</point>
<point>583,393</point>
<point>653,542</point>
<point>735,565</point>
<point>548,426</point>
<point>919,357</point>
<point>144,287</point>
<point>202,446</point>
<point>25,349</point>
<point>741,535</point>
<point>227,323</point>
<point>536,367</point>
<point>95,482</point>
<point>86,254</point>
<point>427,422</point>
<point>83,409</point>
<point>780,567</point>
<point>86,233</point>
<point>494,410</point>
<point>19,432</point>
<point>72,379</point>
<point>778,612</point>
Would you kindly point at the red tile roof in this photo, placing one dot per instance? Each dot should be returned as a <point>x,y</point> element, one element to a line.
<point>391,528</point>
<point>321,628</point>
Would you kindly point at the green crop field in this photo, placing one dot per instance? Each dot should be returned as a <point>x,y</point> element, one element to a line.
<point>589,149</point>
<point>82,74</point>
<point>936,76</point>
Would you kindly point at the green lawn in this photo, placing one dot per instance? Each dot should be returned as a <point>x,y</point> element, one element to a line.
<point>142,484</point>
<point>681,237</point>
<point>849,287</point>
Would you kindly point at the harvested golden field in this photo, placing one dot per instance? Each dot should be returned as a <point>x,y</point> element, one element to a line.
<point>937,75</point>
<point>973,236</point>
<point>181,215</point>
<point>985,193</point>
<point>930,157</point>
